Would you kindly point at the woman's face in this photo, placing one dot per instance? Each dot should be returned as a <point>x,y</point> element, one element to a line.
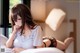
<point>19,21</point>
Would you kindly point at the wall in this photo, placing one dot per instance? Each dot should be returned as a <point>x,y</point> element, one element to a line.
<point>78,35</point>
<point>78,30</point>
<point>73,13</point>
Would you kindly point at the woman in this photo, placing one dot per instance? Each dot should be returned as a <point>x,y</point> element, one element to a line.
<point>25,33</point>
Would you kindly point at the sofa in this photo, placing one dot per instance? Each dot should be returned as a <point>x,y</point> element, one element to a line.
<point>3,40</point>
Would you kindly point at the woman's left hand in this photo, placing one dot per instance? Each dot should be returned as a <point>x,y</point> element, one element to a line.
<point>18,50</point>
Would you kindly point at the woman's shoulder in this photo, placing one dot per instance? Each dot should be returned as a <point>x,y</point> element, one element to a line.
<point>36,27</point>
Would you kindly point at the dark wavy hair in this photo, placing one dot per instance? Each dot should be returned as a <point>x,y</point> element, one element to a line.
<point>24,12</point>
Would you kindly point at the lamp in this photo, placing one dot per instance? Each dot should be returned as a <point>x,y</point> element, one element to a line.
<point>38,10</point>
<point>55,18</point>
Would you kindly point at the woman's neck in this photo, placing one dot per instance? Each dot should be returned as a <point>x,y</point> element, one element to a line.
<point>26,28</point>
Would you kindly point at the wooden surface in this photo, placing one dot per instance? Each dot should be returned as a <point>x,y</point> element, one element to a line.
<point>74,34</point>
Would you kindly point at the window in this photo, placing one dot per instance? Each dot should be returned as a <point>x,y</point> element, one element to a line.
<point>14,2</point>
<point>1,29</point>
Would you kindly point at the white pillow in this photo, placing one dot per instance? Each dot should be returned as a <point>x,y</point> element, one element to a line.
<point>43,50</point>
<point>3,39</point>
<point>55,18</point>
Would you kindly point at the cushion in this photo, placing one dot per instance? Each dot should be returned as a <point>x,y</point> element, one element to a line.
<point>3,39</point>
<point>55,18</point>
<point>43,50</point>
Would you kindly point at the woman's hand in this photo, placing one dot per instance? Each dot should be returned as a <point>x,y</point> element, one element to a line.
<point>16,28</point>
<point>9,43</point>
<point>17,50</point>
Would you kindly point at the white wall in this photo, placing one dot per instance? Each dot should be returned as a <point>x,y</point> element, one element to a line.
<point>73,13</point>
<point>78,29</point>
<point>78,35</point>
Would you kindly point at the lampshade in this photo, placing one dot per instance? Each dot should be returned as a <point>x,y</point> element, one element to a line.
<point>38,10</point>
<point>55,18</point>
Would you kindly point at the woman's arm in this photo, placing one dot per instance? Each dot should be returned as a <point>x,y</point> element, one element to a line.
<point>38,46</point>
<point>18,50</point>
<point>9,43</point>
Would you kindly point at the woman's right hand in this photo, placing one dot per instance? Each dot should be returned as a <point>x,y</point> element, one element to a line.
<point>16,28</point>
